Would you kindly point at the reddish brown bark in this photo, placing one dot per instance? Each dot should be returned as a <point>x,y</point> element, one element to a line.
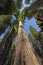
<point>24,54</point>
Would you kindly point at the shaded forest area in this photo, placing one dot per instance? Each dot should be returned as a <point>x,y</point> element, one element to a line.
<point>10,16</point>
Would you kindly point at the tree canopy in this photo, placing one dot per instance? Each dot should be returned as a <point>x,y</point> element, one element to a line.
<point>12,7</point>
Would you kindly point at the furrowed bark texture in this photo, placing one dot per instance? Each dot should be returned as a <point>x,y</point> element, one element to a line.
<point>24,54</point>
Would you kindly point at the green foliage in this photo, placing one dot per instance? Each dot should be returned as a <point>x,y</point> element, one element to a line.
<point>41,38</point>
<point>15,28</point>
<point>37,40</point>
<point>7,7</point>
<point>27,1</point>
<point>4,18</point>
<point>4,22</point>
<point>31,37</point>
<point>3,2</point>
<point>10,46</point>
<point>36,13</point>
<point>18,3</point>
<point>40,23</point>
<point>33,31</point>
<point>10,7</point>
<point>22,16</point>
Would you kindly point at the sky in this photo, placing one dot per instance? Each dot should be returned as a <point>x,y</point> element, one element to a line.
<point>24,5</point>
<point>5,32</point>
<point>30,22</point>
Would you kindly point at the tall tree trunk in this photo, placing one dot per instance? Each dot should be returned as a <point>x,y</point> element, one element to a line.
<point>24,54</point>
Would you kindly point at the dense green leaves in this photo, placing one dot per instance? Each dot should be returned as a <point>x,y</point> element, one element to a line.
<point>22,16</point>
<point>41,38</point>
<point>4,22</point>
<point>4,18</point>
<point>34,32</point>
<point>18,3</point>
<point>7,7</point>
<point>36,39</point>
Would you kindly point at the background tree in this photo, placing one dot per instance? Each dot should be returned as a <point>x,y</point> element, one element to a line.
<point>34,38</point>
<point>11,7</point>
